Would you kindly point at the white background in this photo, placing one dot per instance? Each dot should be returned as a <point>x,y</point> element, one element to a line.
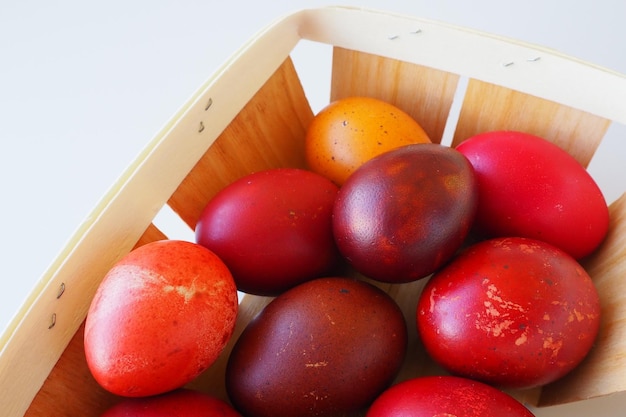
<point>84,86</point>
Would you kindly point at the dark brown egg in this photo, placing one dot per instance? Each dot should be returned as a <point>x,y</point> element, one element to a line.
<point>325,347</point>
<point>401,215</point>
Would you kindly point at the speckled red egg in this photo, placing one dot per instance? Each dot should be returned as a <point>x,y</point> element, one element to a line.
<point>513,312</point>
<point>160,317</point>
<point>325,347</point>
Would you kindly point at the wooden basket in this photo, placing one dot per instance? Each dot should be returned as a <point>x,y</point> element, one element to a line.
<point>252,114</point>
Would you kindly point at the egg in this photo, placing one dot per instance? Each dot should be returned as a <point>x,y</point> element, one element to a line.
<point>404,213</point>
<point>530,187</point>
<point>512,312</point>
<point>446,396</point>
<point>325,347</point>
<point>272,228</point>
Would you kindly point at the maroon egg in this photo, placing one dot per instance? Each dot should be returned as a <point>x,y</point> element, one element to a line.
<point>272,229</point>
<point>404,213</point>
<point>326,347</point>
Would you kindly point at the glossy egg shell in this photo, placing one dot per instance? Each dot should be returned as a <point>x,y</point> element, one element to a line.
<point>404,213</point>
<point>442,396</point>
<point>513,312</point>
<point>273,229</point>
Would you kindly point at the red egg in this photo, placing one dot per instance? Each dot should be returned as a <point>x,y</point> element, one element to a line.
<point>513,312</point>
<point>445,396</point>
<point>178,403</point>
<point>273,229</point>
<point>159,318</point>
<point>529,187</point>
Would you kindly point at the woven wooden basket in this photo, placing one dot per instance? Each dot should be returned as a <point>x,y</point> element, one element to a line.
<point>252,114</point>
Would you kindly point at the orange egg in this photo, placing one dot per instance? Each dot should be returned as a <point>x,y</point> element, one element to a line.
<point>350,131</point>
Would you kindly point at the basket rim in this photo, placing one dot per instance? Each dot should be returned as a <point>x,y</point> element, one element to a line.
<point>519,65</point>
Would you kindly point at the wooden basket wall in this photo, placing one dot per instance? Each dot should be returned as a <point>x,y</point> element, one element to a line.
<point>252,115</point>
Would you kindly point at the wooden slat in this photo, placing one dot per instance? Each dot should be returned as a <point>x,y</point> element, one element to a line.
<point>70,389</point>
<point>490,107</point>
<point>151,234</point>
<point>602,372</point>
<point>267,133</point>
<point>424,93</point>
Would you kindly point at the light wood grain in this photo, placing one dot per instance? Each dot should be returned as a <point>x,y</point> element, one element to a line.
<point>267,133</point>
<point>489,107</point>
<point>424,93</point>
